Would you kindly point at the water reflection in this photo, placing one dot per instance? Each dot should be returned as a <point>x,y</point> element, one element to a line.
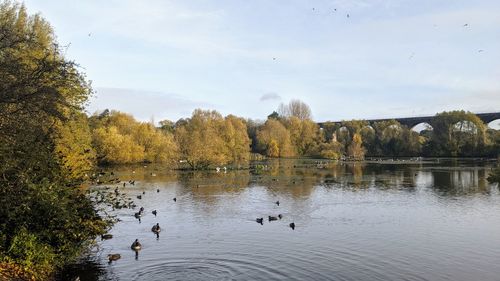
<point>350,221</point>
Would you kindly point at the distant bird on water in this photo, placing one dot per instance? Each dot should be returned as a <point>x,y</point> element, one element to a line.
<point>154,212</point>
<point>175,199</point>
<point>348,16</point>
<point>278,203</point>
<point>106,236</point>
<point>260,220</point>
<point>271,218</point>
<point>292,225</point>
<point>114,257</point>
<point>136,246</point>
<point>156,228</point>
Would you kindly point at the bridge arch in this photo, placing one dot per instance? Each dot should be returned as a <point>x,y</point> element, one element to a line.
<point>422,127</point>
<point>494,124</point>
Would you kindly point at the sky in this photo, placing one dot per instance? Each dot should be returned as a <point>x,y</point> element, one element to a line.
<point>347,59</point>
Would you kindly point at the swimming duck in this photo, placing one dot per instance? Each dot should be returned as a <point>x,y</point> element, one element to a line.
<point>136,246</point>
<point>141,209</point>
<point>138,215</point>
<point>271,218</point>
<point>278,203</point>
<point>280,216</point>
<point>139,196</point>
<point>154,212</point>
<point>106,236</point>
<point>158,190</point>
<point>292,225</point>
<point>114,257</point>
<point>260,220</point>
<point>175,199</point>
<point>156,228</point>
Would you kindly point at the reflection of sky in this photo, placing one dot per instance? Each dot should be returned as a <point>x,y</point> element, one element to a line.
<point>388,59</point>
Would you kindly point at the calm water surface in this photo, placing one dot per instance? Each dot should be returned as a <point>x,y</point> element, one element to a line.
<point>422,220</point>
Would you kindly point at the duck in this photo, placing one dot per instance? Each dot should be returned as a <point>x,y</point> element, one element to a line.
<point>136,246</point>
<point>144,192</point>
<point>292,225</point>
<point>156,228</point>
<point>260,220</point>
<point>141,209</point>
<point>280,216</point>
<point>175,199</point>
<point>154,212</point>
<point>271,218</point>
<point>106,236</point>
<point>138,215</point>
<point>139,196</point>
<point>158,190</point>
<point>278,202</point>
<point>114,257</point>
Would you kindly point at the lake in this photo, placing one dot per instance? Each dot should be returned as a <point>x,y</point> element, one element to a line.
<point>407,219</point>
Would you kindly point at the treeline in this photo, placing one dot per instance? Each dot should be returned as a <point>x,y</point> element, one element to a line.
<point>46,219</point>
<point>209,139</point>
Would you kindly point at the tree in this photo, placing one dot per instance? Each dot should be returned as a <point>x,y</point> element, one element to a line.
<point>457,133</point>
<point>274,139</point>
<point>295,108</point>
<point>46,218</point>
<point>119,139</point>
<point>208,139</point>
<point>355,150</point>
<point>236,139</point>
<point>304,135</point>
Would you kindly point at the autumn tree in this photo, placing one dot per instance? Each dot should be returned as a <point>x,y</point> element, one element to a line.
<point>208,139</point>
<point>274,139</point>
<point>45,149</point>
<point>118,139</point>
<point>355,150</point>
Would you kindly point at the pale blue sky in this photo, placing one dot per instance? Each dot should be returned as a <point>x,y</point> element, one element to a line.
<point>387,59</point>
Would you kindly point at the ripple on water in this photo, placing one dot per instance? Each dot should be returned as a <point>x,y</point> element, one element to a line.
<point>207,269</point>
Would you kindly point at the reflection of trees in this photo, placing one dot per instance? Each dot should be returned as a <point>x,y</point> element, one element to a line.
<point>456,182</point>
<point>298,178</point>
<point>203,185</point>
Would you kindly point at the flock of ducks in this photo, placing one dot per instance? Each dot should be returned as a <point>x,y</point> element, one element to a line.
<point>156,229</point>
<point>274,218</point>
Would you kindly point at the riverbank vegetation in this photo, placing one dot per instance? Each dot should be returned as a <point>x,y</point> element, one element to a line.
<point>45,148</point>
